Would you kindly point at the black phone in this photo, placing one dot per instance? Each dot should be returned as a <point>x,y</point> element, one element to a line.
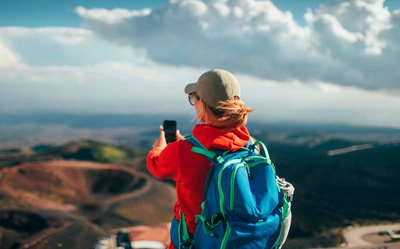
<point>170,130</point>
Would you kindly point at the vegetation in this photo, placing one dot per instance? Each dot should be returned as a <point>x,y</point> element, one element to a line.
<point>89,150</point>
<point>332,192</point>
<point>109,154</point>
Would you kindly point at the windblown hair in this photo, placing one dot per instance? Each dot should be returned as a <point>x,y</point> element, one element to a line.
<point>229,114</point>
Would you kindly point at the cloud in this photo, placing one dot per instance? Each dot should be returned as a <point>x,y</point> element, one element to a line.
<point>111,17</point>
<point>88,76</point>
<point>107,87</point>
<point>7,57</point>
<point>62,35</point>
<point>139,61</point>
<point>348,42</point>
<point>50,46</point>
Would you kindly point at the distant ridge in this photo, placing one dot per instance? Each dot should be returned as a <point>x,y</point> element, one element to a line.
<point>186,122</point>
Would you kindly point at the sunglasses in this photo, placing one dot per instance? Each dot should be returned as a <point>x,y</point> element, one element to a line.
<point>193,98</point>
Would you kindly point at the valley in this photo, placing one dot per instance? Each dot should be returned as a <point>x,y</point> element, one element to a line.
<point>70,188</point>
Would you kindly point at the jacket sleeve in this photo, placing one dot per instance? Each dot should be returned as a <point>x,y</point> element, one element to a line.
<point>164,163</point>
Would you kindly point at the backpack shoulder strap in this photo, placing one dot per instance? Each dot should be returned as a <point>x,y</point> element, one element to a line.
<point>211,155</point>
<point>260,148</point>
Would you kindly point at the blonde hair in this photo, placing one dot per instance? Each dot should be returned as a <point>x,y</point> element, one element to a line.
<point>228,115</point>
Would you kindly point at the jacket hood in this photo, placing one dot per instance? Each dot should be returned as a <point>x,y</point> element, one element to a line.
<point>216,139</point>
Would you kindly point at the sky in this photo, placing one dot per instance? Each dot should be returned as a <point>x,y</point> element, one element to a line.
<point>314,61</point>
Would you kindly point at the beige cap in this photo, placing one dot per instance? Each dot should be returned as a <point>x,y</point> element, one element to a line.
<point>214,86</point>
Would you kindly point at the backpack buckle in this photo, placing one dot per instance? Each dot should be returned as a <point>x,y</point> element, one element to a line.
<point>187,243</point>
<point>218,158</point>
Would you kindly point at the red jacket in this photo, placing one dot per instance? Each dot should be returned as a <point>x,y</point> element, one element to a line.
<point>189,169</point>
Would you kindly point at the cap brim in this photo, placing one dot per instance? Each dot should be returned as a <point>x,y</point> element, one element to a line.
<point>190,88</point>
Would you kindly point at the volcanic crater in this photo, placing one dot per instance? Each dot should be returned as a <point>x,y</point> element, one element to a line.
<point>72,185</point>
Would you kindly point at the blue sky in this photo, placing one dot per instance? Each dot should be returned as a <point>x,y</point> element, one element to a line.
<point>40,13</point>
<point>297,61</point>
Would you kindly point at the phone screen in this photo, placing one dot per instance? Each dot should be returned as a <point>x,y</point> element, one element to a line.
<point>170,130</point>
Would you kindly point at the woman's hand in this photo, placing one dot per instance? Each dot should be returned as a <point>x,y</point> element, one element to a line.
<point>178,135</point>
<point>161,142</point>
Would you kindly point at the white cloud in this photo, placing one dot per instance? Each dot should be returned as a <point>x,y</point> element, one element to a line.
<point>288,72</point>
<point>111,17</point>
<point>117,80</point>
<point>222,9</point>
<point>349,42</point>
<point>108,87</point>
<point>324,103</point>
<point>7,57</point>
<point>62,35</point>
<point>48,46</point>
<point>126,87</point>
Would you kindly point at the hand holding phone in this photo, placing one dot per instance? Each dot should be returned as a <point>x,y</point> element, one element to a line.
<point>170,130</point>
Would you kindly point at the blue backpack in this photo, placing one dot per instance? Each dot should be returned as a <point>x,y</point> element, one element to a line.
<point>246,206</point>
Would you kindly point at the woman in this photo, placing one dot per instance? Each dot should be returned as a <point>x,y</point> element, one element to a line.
<point>223,116</point>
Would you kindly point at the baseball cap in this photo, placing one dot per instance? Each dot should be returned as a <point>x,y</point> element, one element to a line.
<point>214,86</point>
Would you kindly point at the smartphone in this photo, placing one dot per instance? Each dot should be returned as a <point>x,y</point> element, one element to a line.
<point>170,130</point>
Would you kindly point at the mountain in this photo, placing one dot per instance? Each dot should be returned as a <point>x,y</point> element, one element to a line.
<point>339,181</point>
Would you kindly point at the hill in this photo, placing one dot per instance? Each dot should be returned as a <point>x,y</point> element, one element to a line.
<point>49,199</point>
<point>332,191</point>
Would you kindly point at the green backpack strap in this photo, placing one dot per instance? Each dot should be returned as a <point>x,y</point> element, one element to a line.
<point>184,239</point>
<point>263,151</point>
<point>201,149</point>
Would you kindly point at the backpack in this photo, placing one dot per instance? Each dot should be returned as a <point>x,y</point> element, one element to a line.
<point>246,206</point>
